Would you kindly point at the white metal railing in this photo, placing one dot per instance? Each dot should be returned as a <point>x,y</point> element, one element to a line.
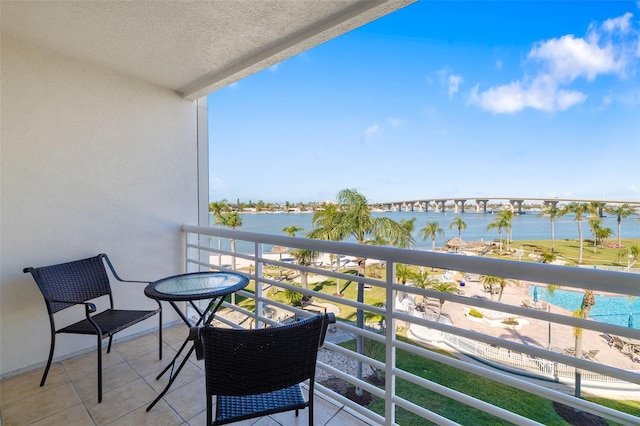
<point>516,361</point>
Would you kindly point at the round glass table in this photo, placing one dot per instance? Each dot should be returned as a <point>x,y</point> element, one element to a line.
<point>196,286</point>
<point>192,287</point>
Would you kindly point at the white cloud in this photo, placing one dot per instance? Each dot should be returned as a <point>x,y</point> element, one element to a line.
<point>395,122</point>
<point>234,85</point>
<point>372,132</point>
<point>567,58</point>
<point>454,84</point>
<point>516,96</point>
<point>608,49</point>
<point>499,64</point>
<point>621,23</point>
<point>447,79</point>
<point>273,68</point>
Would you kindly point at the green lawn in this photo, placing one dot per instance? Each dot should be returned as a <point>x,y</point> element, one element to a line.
<point>569,250</point>
<point>501,395</point>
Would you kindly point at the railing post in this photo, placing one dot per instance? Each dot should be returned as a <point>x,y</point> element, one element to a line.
<point>360,337</point>
<point>258,282</point>
<point>390,355</point>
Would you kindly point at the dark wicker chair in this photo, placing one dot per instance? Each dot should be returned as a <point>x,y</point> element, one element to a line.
<point>254,373</point>
<point>76,283</point>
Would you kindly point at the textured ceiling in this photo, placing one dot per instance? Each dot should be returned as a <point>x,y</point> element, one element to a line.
<point>192,47</point>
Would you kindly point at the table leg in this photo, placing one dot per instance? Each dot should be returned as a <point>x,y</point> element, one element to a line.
<point>172,377</point>
<point>206,316</point>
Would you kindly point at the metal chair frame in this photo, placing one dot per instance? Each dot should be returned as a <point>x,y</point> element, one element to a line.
<point>254,373</point>
<point>77,283</point>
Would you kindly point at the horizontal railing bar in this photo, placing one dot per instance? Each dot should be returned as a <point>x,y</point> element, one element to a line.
<point>595,279</point>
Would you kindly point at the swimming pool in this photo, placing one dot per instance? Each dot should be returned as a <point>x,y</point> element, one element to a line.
<point>610,309</point>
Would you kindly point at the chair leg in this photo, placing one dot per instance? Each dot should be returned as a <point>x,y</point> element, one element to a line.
<point>108,347</point>
<point>100,367</point>
<point>51,348</point>
<point>209,411</point>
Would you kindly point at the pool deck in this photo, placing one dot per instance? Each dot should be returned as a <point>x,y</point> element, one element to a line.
<point>536,332</point>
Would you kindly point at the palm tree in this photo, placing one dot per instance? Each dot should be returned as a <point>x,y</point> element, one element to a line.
<point>422,279</point>
<point>621,212</point>
<point>409,225</point>
<point>218,208</point>
<point>304,258</point>
<point>600,234</point>
<point>588,301</point>
<point>443,287</point>
<point>548,256</point>
<point>594,224</point>
<point>553,212</point>
<point>403,273</point>
<point>508,215</point>
<point>460,224</point>
<point>353,219</point>
<point>499,223</point>
<point>291,230</point>
<point>430,230</point>
<point>579,210</point>
<point>631,254</point>
<point>232,220</point>
<point>490,281</point>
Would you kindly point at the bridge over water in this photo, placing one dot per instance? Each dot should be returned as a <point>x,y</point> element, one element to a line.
<point>480,203</point>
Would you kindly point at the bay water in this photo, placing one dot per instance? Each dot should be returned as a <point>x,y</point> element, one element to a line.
<point>529,226</point>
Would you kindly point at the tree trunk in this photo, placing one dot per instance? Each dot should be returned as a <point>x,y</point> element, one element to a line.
<point>553,237</point>
<point>578,374</point>
<point>580,241</point>
<point>619,231</point>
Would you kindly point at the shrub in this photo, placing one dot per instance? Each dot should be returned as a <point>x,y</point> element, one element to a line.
<point>475,313</point>
<point>510,321</point>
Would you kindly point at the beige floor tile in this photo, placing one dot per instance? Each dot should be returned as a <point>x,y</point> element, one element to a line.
<point>160,415</point>
<point>188,400</point>
<point>120,401</point>
<point>138,347</point>
<point>112,377</point>
<point>40,405</point>
<point>263,421</point>
<point>149,362</point>
<point>175,335</point>
<point>342,418</point>
<point>199,420</point>
<point>28,384</point>
<point>189,373</point>
<point>76,416</point>
<point>88,363</point>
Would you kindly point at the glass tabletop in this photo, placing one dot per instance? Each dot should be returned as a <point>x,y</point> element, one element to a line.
<point>197,285</point>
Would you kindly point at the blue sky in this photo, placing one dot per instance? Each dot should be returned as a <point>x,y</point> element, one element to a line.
<point>443,99</point>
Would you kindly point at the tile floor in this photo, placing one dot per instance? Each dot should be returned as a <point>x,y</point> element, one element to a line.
<point>69,396</point>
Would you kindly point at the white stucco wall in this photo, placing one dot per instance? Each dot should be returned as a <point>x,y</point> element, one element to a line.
<point>91,161</point>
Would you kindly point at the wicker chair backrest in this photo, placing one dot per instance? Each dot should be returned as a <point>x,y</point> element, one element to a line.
<point>250,362</point>
<point>80,280</point>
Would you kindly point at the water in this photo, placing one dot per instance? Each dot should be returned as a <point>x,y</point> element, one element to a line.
<point>524,227</point>
<point>608,309</point>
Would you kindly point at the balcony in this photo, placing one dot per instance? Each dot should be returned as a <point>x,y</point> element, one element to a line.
<point>533,358</point>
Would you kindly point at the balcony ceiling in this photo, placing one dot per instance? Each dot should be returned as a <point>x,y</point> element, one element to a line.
<point>190,47</point>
